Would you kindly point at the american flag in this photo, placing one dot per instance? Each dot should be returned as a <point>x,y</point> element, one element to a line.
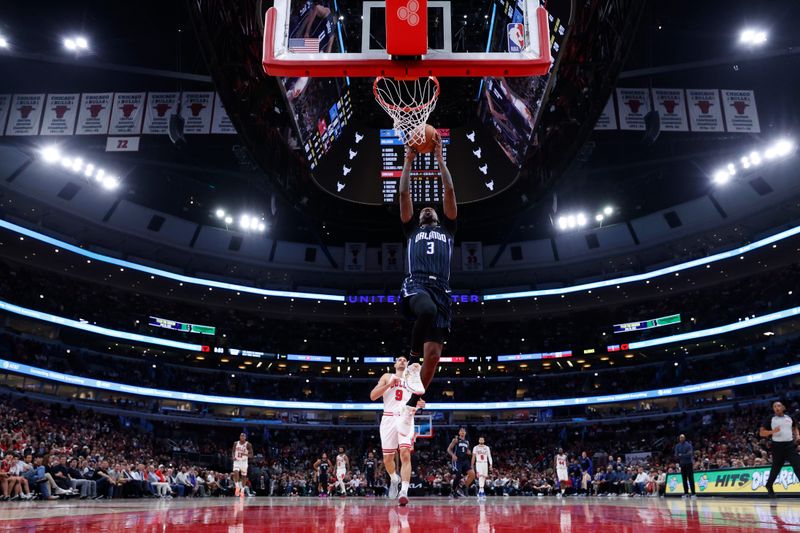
<point>307,45</point>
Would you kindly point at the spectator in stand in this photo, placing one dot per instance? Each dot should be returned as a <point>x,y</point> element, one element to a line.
<point>86,487</point>
<point>640,482</point>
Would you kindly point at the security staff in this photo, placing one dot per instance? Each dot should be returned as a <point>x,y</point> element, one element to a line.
<point>685,454</point>
<point>784,444</point>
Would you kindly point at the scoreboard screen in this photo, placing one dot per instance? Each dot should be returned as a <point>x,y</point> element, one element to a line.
<point>647,324</point>
<point>425,183</point>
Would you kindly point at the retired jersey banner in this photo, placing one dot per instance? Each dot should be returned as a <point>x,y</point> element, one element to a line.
<point>5,104</point>
<point>122,144</point>
<point>60,113</point>
<point>94,114</point>
<point>220,121</point>
<point>633,105</point>
<point>160,106</point>
<point>671,107</point>
<point>25,114</point>
<point>392,256</point>
<point>196,110</point>
<point>471,256</point>
<point>705,110</point>
<point>741,114</point>
<point>126,115</point>
<point>355,256</point>
<point>608,118</point>
<point>736,482</point>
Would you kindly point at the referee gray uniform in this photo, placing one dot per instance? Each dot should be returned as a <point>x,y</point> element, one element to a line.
<point>784,448</point>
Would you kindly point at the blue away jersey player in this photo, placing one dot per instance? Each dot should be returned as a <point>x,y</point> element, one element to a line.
<point>425,296</point>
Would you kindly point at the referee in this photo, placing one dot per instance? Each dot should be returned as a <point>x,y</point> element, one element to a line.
<point>784,446</point>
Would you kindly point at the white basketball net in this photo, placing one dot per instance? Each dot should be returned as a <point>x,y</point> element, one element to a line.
<point>409,103</point>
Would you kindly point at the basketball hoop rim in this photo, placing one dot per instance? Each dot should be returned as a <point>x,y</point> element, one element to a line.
<point>406,109</point>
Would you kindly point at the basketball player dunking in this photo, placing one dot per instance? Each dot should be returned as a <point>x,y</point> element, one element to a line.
<point>425,296</point>
<point>342,466</point>
<point>397,427</point>
<point>242,452</point>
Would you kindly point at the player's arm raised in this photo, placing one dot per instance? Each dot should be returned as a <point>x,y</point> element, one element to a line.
<point>450,206</point>
<point>406,205</point>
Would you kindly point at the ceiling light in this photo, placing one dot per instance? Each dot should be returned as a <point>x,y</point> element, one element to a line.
<point>784,147</point>
<point>262,227</point>
<point>562,223</point>
<point>599,218</point>
<point>608,210</point>
<point>3,42</point>
<point>99,175</point>
<point>581,218</point>
<point>66,162</point>
<point>755,158</point>
<point>229,220</point>
<point>89,170</point>
<point>110,183</point>
<point>50,154</point>
<point>77,164</point>
<point>82,43</point>
<point>751,36</point>
<point>220,213</point>
<point>70,45</point>
<point>571,221</point>
<point>731,169</point>
<point>254,223</point>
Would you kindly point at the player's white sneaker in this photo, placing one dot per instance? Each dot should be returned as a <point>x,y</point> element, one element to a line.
<point>403,499</point>
<point>394,486</point>
<point>412,379</point>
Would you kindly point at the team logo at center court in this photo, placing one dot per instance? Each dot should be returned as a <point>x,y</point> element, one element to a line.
<point>408,13</point>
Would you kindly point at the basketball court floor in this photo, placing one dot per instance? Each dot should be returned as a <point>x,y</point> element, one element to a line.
<point>428,515</point>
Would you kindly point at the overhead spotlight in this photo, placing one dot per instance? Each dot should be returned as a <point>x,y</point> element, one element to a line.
<point>89,170</point>
<point>608,210</point>
<point>599,217</point>
<point>70,45</point>
<point>751,37</point>
<point>562,223</point>
<point>784,147</point>
<point>755,158</point>
<point>571,221</point>
<point>66,162</point>
<point>731,169</point>
<point>220,213</point>
<point>50,154</point>
<point>254,223</point>
<point>721,177</point>
<point>99,175</point>
<point>229,220</point>
<point>581,219</point>
<point>262,227</point>
<point>244,222</point>
<point>110,183</point>
<point>3,42</point>
<point>341,17</point>
<point>77,164</point>
<point>745,162</point>
<point>82,43</point>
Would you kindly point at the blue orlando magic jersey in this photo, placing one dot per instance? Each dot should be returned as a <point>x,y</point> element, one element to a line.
<point>429,249</point>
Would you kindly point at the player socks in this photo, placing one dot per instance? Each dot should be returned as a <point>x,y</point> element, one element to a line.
<point>481,482</point>
<point>404,486</point>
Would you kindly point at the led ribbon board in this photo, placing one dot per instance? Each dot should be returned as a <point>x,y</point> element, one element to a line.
<point>164,273</point>
<point>647,324</point>
<point>59,377</point>
<point>182,326</point>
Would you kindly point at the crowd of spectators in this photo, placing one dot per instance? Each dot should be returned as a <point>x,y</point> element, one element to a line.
<point>129,310</point>
<point>52,452</point>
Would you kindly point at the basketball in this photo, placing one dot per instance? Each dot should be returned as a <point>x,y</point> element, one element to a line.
<point>428,144</point>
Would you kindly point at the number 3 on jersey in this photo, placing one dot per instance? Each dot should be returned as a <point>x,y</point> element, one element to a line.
<point>431,247</point>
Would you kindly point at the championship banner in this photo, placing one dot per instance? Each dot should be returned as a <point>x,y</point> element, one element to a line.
<point>94,114</point>
<point>220,121</point>
<point>736,482</point>
<point>196,109</point>
<point>355,256</point>
<point>471,256</point>
<point>671,107</point>
<point>60,113</point>
<point>633,104</point>
<point>741,114</point>
<point>5,104</point>
<point>608,118</point>
<point>126,115</point>
<point>159,108</point>
<point>24,115</point>
<point>705,110</point>
<point>391,256</point>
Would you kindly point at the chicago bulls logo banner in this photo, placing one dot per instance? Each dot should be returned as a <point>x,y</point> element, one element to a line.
<point>705,111</point>
<point>25,114</point>
<point>740,110</point>
<point>671,107</point>
<point>160,106</point>
<point>60,113</point>
<point>221,122</point>
<point>94,114</point>
<point>126,114</point>
<point>633,105</point>
<point>196,109</point>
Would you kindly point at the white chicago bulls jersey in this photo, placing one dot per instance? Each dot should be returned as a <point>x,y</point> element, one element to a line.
<point>396,397</point>
<point>561,462</point>
<point>482,454</point>
<point>240,452</point>
<point>341,464</point>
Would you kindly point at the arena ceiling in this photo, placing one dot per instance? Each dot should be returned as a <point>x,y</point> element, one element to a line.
<point>169,47</point>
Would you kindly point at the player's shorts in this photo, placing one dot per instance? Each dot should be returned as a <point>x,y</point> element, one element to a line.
<point>370,478</point>
<point>440,293</point>
<point>562,475</point>
<point>340,474</point>
<point>393,436</point>
<point>482,469</point>
<point>323,479</point>
<point>240,466</point>
<point>462,467</point>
